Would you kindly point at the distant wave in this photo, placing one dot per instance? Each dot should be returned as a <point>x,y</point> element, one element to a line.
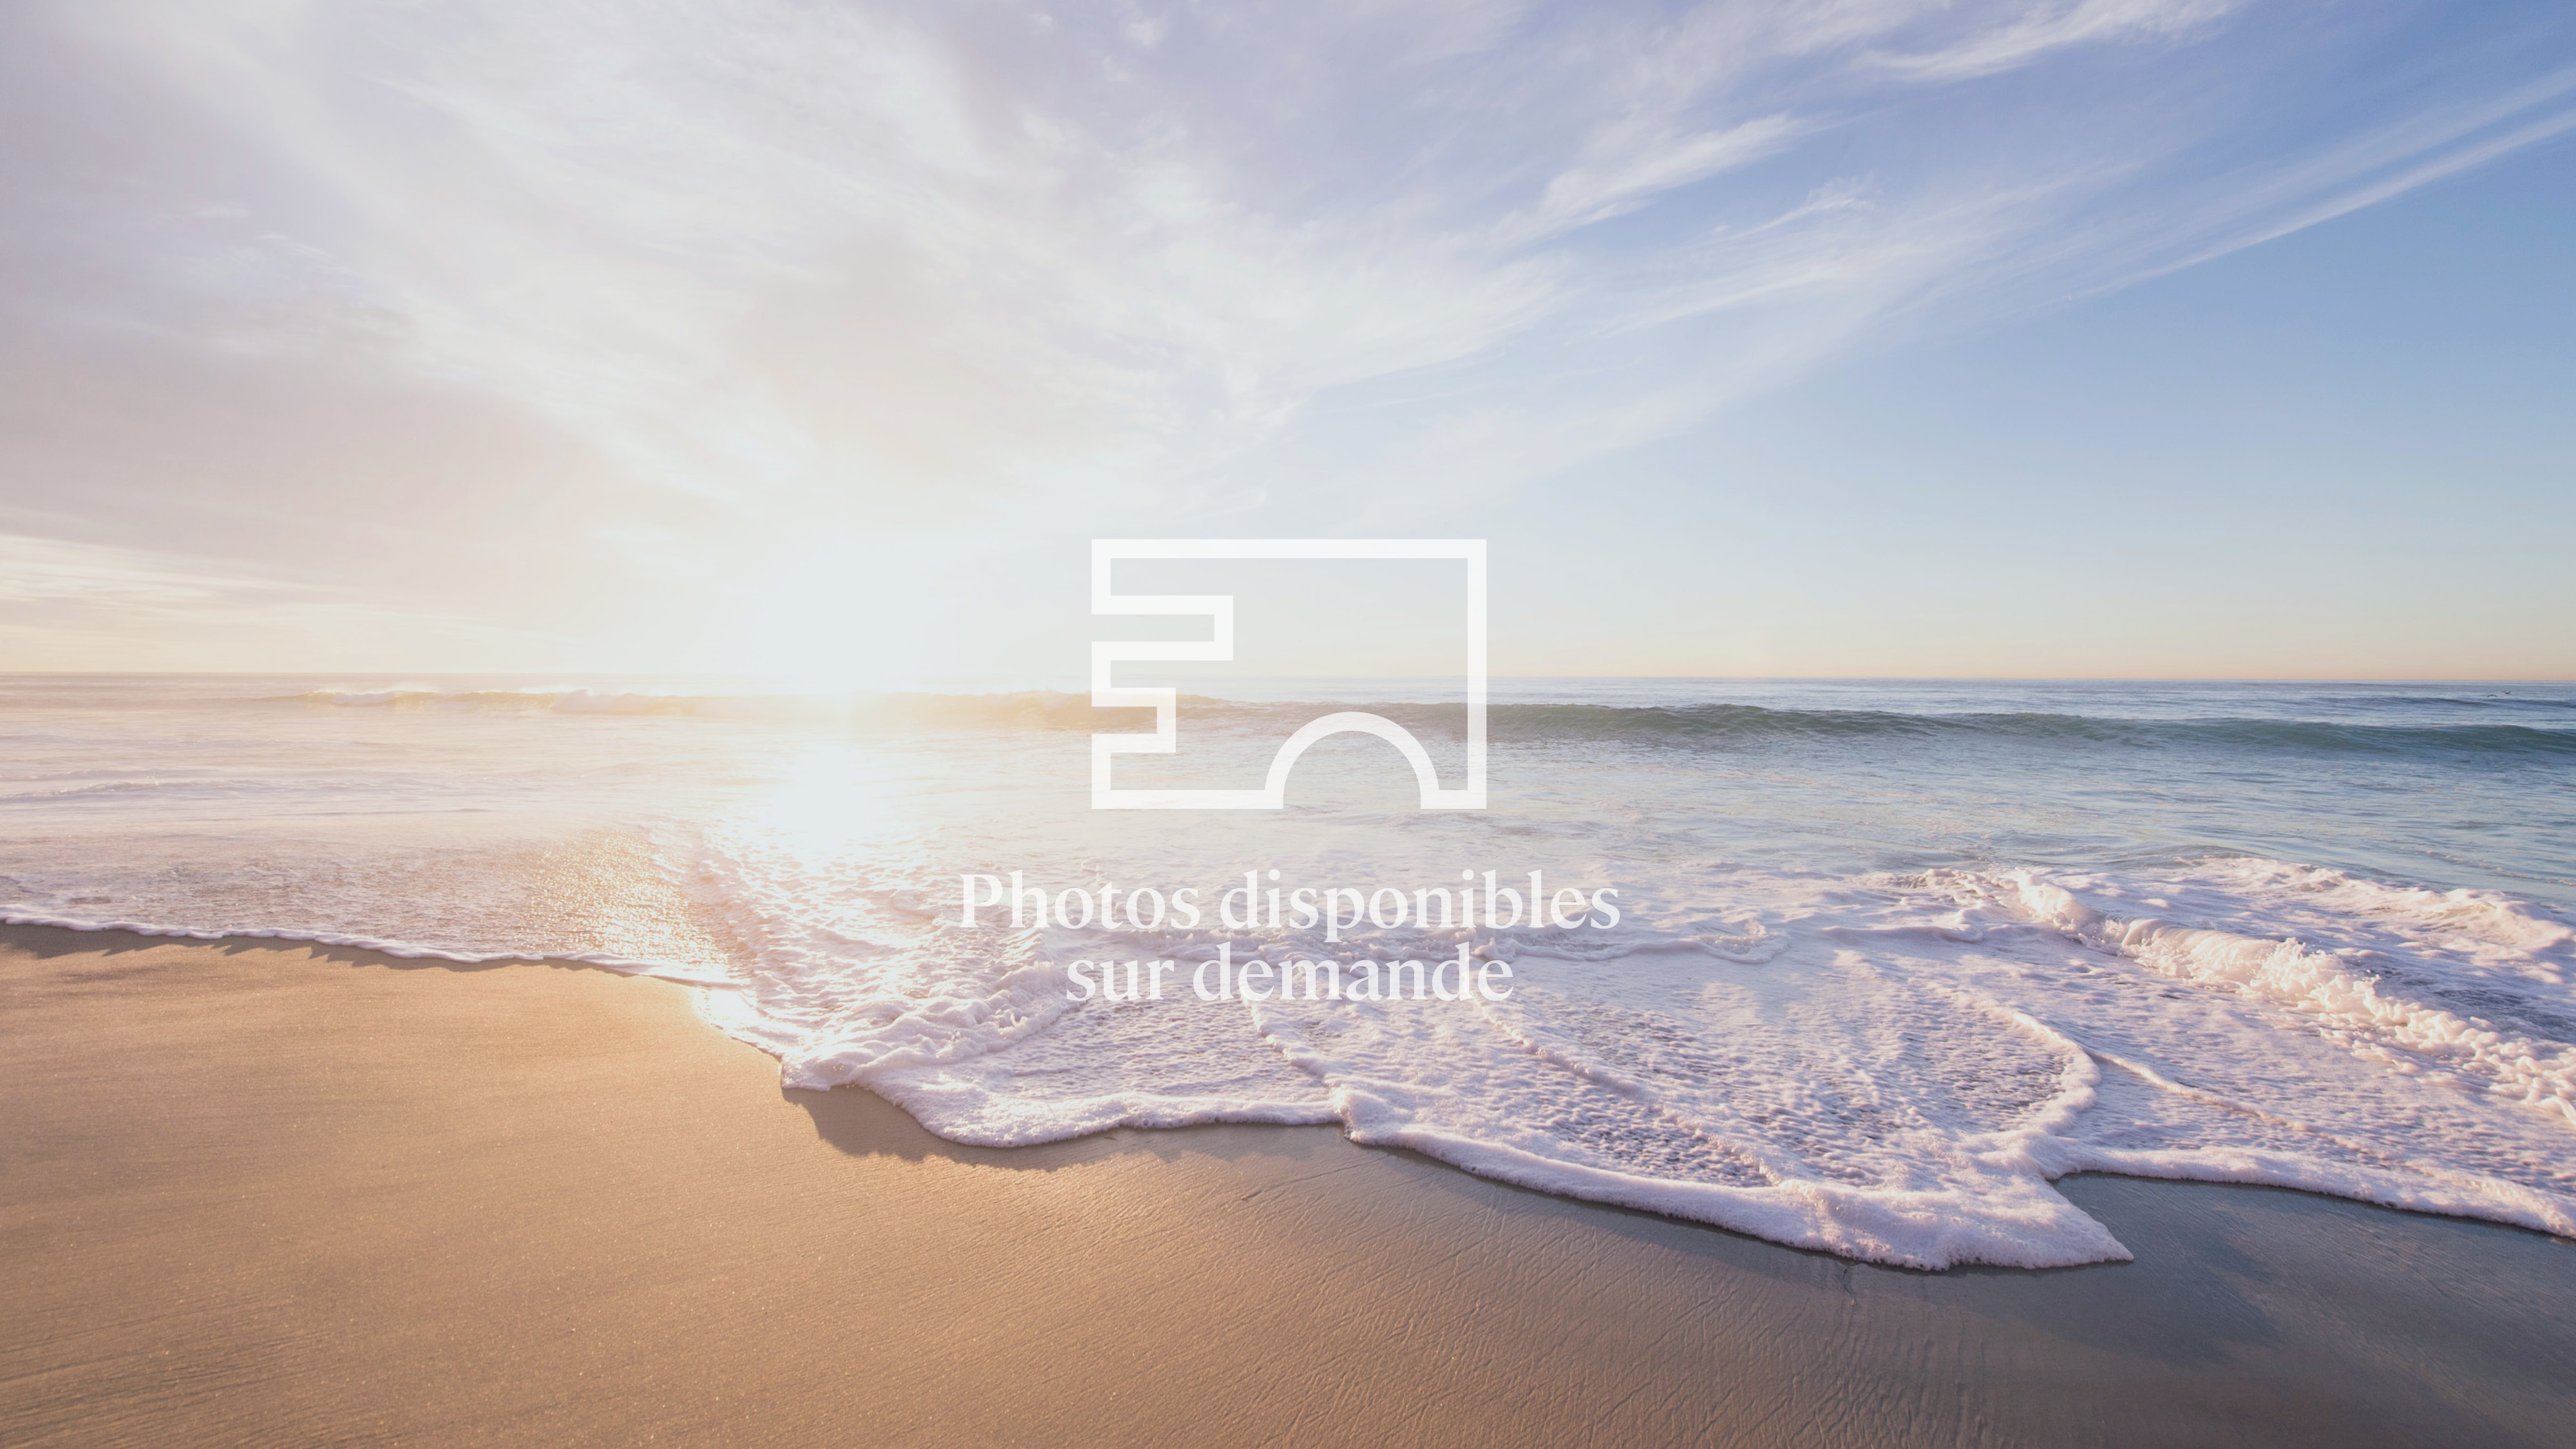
<point>1752,723</point>
<point>1715,725</point>
<point>1725,724</point>
<point>2458,701</point>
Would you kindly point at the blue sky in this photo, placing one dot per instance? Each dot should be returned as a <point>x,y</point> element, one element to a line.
<point>2034,337</point>
<point>2347,452</point>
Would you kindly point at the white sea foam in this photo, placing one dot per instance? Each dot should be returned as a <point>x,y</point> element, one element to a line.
<point>1888,1068</point>
<point>1783,1035</point>
<point>2343,999</point>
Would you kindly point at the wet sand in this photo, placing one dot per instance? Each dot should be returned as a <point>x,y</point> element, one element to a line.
<point>256,1193</point>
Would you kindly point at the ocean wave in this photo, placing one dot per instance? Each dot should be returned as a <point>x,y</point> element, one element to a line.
<point>1889,1068</point>
<point>2332,989</point>
<point>1833,1013</point>
<point>1712,725</point>
<point>2500,700</point>
<point>1754,724</point>
<point>1720,725</point>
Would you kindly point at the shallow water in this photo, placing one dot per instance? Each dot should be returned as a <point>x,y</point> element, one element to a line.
<point>1888,957</point>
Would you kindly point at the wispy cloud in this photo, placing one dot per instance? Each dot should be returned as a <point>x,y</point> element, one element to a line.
<point>1622,172</point>
<point>1992,46</point>
<point>729,271</point>
<point>2263,202</point>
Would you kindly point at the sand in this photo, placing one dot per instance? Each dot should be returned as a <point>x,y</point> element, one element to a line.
<point>253,1193</point>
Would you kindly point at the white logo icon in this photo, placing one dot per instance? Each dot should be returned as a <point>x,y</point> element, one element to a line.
<point>1219,609</point>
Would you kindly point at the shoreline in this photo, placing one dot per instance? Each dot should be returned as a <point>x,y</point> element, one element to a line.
<point>267,1190</point>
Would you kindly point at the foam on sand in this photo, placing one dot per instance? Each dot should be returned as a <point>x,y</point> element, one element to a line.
<point>1891,960</point>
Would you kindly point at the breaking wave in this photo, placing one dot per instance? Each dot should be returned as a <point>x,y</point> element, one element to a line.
<point>1890,960</point>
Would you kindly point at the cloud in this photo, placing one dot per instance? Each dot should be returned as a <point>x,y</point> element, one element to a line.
<point>526,291</point>
<point>1623,174</point>
<point>2261,202</point>
<point>2019,39</point>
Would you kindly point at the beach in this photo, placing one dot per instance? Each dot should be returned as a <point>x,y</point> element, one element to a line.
<point>1856,967</point>
<point>1762,723</point>
<point>264,1192</point>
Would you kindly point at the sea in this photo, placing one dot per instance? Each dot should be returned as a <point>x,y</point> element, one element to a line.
<point>1856,966</point>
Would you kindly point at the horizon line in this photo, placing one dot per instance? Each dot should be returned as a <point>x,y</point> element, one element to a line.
<point>935,686</point>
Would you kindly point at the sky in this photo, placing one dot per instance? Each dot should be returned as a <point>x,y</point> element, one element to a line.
<point>2019,338</point>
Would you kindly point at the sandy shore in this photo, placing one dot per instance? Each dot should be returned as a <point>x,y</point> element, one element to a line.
<point>252,1194</point>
